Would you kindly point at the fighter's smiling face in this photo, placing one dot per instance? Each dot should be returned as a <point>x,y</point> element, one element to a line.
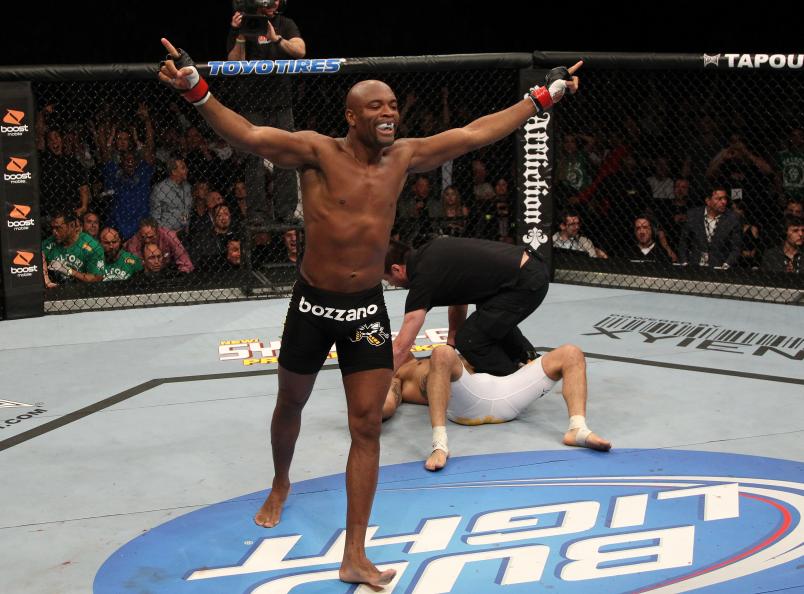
<point>372,113</point>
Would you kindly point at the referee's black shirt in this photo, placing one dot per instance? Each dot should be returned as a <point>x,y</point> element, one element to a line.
<point>455,271</point>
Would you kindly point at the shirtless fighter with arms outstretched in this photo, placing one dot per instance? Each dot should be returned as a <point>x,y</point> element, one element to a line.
<point>349,191</point>
<point>447,384</point>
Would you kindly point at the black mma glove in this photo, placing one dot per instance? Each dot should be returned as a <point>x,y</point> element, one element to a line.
<point>552,91</point>
<point>198,93</point>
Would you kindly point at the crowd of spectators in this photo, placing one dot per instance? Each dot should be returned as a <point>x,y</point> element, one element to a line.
<point>160,176</point>
<point>151,199</point>
<point>713,200</point>
<point>131,191</point>
<point>155,192</point>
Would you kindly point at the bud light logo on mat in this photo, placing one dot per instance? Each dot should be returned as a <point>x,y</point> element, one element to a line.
<point>551,521</point>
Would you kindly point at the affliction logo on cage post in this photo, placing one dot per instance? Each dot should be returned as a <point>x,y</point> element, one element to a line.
<point>12,123</point>
<point>536,185</point>
<point>639,521</point>
<point>19,217</point>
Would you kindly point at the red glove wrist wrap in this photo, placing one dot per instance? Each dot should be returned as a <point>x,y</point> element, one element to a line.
<point>542,97</point>
<point>198,92</point>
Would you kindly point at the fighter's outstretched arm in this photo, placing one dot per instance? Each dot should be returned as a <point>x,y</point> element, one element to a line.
<point>286,149</point>
<point>433,151</point>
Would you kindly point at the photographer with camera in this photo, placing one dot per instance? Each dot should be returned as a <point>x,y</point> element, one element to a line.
<point>259,31</point>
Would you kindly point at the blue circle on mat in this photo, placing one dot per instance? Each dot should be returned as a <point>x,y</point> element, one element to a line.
<point>562,521</point>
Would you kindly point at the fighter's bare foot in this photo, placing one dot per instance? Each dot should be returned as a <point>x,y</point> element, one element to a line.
<point>592,441</point>
<point>366,573</point>
<point>437,460</point>
<point>271,511</point>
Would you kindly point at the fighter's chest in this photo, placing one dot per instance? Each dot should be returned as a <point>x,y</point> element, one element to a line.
<point>362,184</point>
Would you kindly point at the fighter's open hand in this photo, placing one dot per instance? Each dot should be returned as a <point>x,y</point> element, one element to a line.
<point>177,78</point>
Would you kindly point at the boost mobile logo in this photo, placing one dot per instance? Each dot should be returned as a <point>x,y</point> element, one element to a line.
<point>21,221</point>
<point>234,67</point>
<point>23,266</point>
<point>18,175</point>
<point>14,118</point>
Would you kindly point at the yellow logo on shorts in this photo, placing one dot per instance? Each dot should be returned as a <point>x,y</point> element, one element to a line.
<point>374,334</point>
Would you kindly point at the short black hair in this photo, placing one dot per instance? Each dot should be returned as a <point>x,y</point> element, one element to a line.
<point>148,222</point>
<point>68,215</point>
<point>792,221</point>
<point>397,254</point>
<point>173,163</point>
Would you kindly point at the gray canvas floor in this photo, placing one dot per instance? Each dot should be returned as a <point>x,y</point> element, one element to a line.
<point>113,423</point>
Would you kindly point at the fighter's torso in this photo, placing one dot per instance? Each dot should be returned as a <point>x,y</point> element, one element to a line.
<point>413,376</point>
<point>349,209</point>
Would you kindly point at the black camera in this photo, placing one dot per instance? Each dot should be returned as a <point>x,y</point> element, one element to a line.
<point>252,6</point>
<point>254,23</point>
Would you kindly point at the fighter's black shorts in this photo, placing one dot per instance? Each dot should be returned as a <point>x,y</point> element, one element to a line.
<point>357,323</point>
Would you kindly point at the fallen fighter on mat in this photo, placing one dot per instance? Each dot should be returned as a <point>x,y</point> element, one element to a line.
<point>447,385</point>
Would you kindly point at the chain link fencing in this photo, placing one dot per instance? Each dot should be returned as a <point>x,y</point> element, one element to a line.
<point>195,220</point>
<point>178,216</point>
<point>706,165</point>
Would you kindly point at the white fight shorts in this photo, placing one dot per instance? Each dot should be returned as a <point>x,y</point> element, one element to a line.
<point>481,398</point>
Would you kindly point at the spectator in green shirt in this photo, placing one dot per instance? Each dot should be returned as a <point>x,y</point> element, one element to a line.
<point>119,264</point>
<point>70,253</point>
